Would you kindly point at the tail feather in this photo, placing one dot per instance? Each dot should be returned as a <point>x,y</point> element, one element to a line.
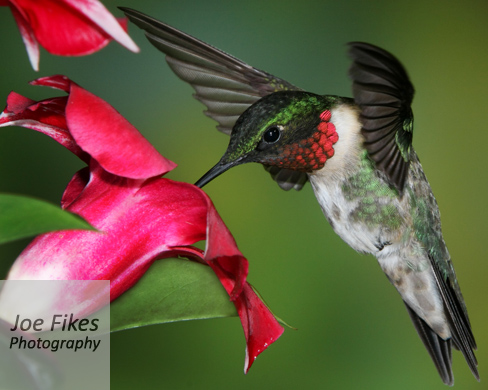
<point>438,348</point>
<point>462,336</point>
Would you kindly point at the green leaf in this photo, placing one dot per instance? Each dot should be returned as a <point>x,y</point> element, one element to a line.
<point>22,216</point>
<point>171,290</point>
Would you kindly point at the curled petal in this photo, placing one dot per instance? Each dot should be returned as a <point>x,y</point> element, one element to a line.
<point>72,28</point>
<point>87,126</point>
<point>261,328</point>
<point>124,152</point>
<point>16,103</point>
<point>28,37</point>
<point>76,185</point>
<point>67,27</point>
<point>223,256</point>
<point>46,116</point>
<point>57,82</point>
<point>137,224</point>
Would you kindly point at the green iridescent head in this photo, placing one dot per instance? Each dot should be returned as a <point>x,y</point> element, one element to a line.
<point>288,129</point>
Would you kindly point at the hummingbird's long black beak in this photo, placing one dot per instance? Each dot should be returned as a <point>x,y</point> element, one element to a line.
<point>215,171</point>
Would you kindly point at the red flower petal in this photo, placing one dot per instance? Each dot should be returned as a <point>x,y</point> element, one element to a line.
<point>72,27</point>
<point>76,185</point>
<point>57,82</point>
<point>99,15</point>
<point>260,326</point>
<point>138,225</point>
<point>17,103</point>
<point>28,37</point>
<point>83,123</point>
<point>46,116</point>
<point>124,152</point>
<point>223,256</point>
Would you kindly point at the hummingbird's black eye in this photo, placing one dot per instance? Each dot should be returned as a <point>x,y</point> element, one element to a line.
<point>272,134</point>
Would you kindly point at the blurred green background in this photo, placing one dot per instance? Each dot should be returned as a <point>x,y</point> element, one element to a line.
<point>353,330</point>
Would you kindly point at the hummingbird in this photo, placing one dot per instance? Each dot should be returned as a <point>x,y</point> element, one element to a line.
<point>357,154</point>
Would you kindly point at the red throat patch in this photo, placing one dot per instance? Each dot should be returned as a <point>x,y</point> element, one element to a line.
<point>310,154</point>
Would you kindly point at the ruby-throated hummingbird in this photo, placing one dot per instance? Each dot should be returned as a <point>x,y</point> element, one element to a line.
<point>357,154</point>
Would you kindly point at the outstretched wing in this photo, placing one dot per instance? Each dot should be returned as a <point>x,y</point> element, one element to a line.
<point>225,85</point>
<point>384,93</point>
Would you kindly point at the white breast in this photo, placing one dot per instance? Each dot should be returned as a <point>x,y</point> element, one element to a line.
<point>327,182</point>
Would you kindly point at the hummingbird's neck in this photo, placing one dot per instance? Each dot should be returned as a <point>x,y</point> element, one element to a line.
<point>347,150</point>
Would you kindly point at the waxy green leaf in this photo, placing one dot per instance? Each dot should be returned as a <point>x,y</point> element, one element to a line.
<point>22,216</point>
<point>171,290</point>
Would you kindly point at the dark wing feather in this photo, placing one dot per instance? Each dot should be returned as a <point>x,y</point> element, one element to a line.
<point>438,348</point>
<point>287,178</point>
<point>457,316</point>
<point>383,92</point>
<point>224,84</point>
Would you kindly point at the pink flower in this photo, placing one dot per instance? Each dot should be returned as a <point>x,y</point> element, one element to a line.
<point>140,216</point>
<point>67,27</point>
